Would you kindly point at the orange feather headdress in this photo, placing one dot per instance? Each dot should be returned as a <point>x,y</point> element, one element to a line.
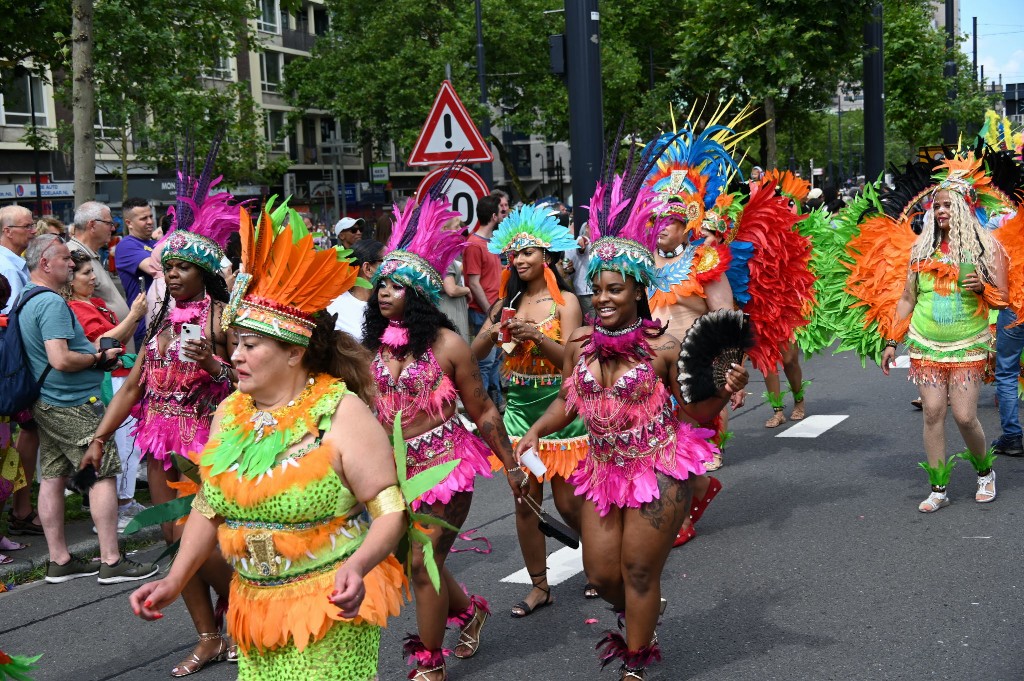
<point>284,281</point>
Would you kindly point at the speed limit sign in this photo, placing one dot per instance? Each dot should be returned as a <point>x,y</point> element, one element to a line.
<point>465,189</point>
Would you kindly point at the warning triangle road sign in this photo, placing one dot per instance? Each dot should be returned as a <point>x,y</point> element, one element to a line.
<point>449,134</point>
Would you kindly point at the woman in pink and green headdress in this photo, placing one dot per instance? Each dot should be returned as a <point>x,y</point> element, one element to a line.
<point>619,376</point>
<point>546,314</point>
<point>176,385</point>
<point>422,367</point>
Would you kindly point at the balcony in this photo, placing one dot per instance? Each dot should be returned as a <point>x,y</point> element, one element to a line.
<point>297,40</point>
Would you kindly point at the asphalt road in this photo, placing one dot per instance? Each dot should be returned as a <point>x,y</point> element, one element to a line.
<point>813,563</point>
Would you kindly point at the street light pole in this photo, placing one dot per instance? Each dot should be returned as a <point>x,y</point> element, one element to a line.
<point>586,119</point>
<point>949,132</point>
<point>874,96</point>
<point>486,169</point>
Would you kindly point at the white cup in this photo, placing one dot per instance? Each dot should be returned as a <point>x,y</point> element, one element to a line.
<point>530,459</point>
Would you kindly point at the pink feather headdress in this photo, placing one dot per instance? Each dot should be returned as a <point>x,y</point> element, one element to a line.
<point>201,222</point>
<point>621,212</point>
<point>421,249</point>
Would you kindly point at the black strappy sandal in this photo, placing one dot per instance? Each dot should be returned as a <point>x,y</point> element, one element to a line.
<point>523,607</point>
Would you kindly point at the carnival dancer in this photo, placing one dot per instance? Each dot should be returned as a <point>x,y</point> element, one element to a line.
<point>175,386</point>
<point>934,291</point>
<point>546,314</point>
<point>794,189</point>
<point>619,376</point>
<point>294,456</point>
<point>421,368</point>
<point>692,275</point>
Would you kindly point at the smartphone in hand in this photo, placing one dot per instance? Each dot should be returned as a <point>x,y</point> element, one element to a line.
<point>188,332</point>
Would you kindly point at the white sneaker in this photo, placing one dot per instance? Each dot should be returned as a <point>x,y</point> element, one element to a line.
<point>131,509</point>
<point>122,522</point>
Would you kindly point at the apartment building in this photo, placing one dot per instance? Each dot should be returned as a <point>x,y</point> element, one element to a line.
<point>322,154</point>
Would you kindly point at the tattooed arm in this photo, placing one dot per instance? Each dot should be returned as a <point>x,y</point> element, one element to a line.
<point>557,415</point>
<point>454,355</point>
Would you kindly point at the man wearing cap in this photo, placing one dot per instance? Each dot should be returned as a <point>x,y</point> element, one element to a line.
<point>349,231</point>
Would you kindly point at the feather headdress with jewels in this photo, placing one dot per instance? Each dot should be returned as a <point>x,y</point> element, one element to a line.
<point>621,211</point>
<point>694,167</point>
<point>202,221</point>
<point>421,249</point>
<point>284,281</point>
<point>531,227</point>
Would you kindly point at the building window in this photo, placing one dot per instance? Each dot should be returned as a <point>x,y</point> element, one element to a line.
<point>271,67</point>
<point>270,17</point>
<point>276,138</point>
<point>15,101</point>
<point>105,131</point>
<point>221,69</point>
<point>321,21</point>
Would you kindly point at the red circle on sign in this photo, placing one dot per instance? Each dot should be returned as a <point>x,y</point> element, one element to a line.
<point>465,189</point>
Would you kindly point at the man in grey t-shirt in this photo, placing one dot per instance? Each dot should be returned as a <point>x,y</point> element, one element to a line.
<point>68,414</point>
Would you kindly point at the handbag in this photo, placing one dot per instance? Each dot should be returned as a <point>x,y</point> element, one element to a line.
<point>550,527</point>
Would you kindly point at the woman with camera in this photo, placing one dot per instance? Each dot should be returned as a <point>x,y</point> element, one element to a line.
<point>103,328</point>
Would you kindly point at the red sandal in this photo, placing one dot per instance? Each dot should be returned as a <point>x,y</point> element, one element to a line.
<point>698,507</point>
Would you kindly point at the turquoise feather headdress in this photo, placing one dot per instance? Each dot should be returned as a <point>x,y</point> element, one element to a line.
<point>531,227</point>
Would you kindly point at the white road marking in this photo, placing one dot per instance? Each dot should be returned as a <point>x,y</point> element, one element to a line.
<point>902,362</point>
<point>813,426</point>
<point>562,565</point>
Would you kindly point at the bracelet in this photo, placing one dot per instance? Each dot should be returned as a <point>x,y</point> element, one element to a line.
<point>96,360</point>
<point>890,343</point>
<point>513,469</point>
<point>223,374</point>
<point>98,439</point>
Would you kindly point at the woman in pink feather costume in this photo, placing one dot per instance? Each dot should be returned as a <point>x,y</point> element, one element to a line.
<point>176,384</point>
<point>619,376</point>
<point>421,367</point>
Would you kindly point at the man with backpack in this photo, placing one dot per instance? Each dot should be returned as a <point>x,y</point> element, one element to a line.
<point>17,229</point>
<point>68,411</point>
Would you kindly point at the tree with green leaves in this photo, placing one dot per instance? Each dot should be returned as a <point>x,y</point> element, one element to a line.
<point>916,101</point>
<point>379,67</point>
<point>788,56</point>
<point>30,29</point>
<point>150,77</point>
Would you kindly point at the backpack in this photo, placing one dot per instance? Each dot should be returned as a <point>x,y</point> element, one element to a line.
<point>18,388</point>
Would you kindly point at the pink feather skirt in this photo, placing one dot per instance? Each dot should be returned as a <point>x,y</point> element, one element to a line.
<point>447,442</point>
<point>621,467</point>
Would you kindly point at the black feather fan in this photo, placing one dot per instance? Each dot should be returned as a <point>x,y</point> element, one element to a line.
<point>715,342</point>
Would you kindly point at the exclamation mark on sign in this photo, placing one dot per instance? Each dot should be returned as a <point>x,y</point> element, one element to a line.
<point>448,131</point>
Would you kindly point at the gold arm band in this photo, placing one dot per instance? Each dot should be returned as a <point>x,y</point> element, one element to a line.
<point>201,505</point>
<point>390,500</point>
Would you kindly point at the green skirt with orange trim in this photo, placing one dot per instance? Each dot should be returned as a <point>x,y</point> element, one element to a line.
<point>561,452</point>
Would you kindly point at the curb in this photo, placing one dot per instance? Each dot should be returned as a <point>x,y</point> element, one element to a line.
<point>88,547</point>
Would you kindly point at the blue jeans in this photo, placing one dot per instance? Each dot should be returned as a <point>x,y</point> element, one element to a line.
<point>489,364</point>
<point>1009,345</point>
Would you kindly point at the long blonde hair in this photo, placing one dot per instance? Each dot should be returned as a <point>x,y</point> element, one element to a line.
<point>969,241</point>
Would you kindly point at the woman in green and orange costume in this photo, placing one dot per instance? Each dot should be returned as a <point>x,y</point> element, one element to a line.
<point>934,291</point>
<point>546,315</point>
<point>294,457</point>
